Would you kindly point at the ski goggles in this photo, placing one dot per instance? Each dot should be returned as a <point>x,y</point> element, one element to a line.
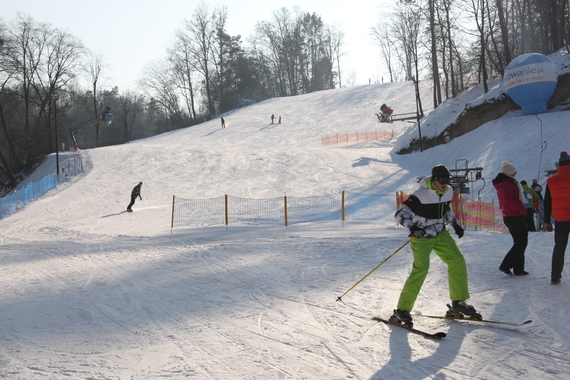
<point>442,180</point>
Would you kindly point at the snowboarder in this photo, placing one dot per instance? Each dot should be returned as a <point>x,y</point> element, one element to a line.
<point>557,205</point>
<point>426,213</point>
<point>272,118</point>
<point>279,119</point>
<point>223,123</point>
<point>134,194</point>
<point>512,203</point>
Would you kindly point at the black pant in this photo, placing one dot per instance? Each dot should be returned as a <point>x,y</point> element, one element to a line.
<point>530,219</point>
<point>132,203</point>
<point>515,257</point>
<point>561,232</point>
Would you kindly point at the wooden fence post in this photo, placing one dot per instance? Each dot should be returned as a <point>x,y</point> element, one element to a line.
<point>227,213</point>
<point>342,206</point>
<point>172,221</point>
<point>285,208</point>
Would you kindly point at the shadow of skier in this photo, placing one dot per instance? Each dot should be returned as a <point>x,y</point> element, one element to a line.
<point>404,364</point>
<point>118,213</point>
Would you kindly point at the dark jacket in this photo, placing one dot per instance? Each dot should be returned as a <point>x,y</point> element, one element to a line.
<point>136,191</point>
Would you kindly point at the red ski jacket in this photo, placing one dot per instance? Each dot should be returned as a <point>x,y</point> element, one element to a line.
<point>508,193</point>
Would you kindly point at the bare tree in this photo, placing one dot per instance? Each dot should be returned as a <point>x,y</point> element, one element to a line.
<point>281,38</point>
<point>8,71</point>
<point>406,31</point>
<point>503,24</point>
<point>382,38</point>
<point>129,113</point>
<point>63,63</point>
<point>434,63</point>
<point>221,49</point>
<point>183,63</point>
<point>160,84</point>
<point>334,48</point>
<point>96,66</point>
<point>201,33</point>
<point>477,9</point>
<point>26,54</point>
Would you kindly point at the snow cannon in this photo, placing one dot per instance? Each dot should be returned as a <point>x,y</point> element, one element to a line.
<point>530,80</point>
<point>385,109</point>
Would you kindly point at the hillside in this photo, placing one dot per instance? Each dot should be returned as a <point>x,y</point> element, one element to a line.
<point>92,292</point>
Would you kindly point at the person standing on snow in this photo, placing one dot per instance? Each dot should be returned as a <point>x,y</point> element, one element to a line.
<point>134,194</point>
<point>531,198</point>
<point>426,213</point>
<point>223,123</point>
<point>512,203</point>
<point>537,188</point>
<point>557,205</point>
<point>272,118</point>
<point>539,204</point>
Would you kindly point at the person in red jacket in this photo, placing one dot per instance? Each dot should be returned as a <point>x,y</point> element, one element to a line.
<point>557,206</point>
<point>512,203</point>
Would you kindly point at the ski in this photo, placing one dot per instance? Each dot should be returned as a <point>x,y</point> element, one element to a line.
<point>479,320</point>
<point>437,335</point>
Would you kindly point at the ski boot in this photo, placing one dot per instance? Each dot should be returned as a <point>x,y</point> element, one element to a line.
<point>402,317</point>
<point>460,309</point>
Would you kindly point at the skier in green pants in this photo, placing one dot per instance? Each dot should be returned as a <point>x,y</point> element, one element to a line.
<point>426,213</point>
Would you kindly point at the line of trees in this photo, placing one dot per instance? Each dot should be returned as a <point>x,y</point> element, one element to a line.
<point>459,43</point>
<point>206,71</point>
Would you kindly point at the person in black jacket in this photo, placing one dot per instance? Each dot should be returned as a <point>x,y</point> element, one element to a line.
<point>134,194</point>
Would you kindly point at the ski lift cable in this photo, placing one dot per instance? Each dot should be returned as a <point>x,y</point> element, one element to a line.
<point>561,129</point>
<point>506,135</point>
<point>542,148</point>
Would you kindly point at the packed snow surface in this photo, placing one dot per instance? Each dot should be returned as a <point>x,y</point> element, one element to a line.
<point>89,291</point>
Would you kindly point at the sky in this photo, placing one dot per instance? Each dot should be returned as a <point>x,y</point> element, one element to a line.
<point>89,291</point>
<point>130,33</point>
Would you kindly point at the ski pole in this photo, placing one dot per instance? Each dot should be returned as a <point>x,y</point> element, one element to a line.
<point>369,273</point>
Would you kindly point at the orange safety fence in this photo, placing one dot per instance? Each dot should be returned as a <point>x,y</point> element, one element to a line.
<point>469,212</point>
<point>353,137</point>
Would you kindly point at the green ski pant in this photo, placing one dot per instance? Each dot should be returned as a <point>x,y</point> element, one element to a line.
<point>445,247</point>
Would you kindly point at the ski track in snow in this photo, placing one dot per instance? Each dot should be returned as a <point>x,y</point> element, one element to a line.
<point>92,292</point>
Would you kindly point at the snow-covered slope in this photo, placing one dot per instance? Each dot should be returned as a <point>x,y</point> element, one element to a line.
<point>89,291</point>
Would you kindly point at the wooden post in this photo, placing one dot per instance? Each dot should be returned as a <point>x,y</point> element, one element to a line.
<point>226,210</point>
<point>342,206</point>
<point>285,208</point>
<point>172,221</point>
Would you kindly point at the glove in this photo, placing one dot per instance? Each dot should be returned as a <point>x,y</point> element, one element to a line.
<point>459,231</point>
<point>416,232</point>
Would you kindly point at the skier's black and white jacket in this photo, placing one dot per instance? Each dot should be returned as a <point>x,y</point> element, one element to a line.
<point>427,209</point>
